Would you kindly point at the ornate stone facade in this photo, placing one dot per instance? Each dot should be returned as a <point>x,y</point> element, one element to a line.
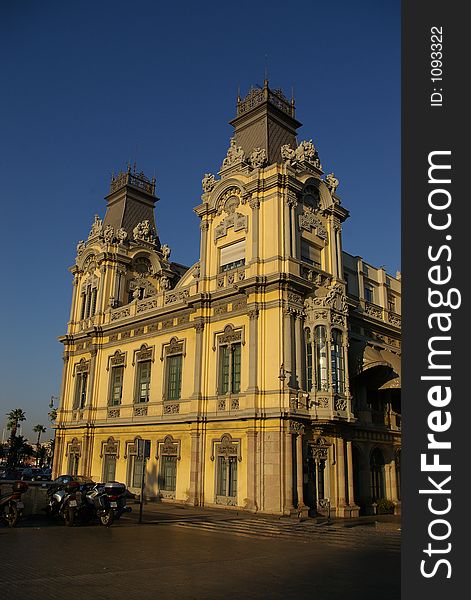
<point>267,375</point>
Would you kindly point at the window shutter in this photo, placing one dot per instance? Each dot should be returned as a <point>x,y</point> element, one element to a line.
<point>233,254</point>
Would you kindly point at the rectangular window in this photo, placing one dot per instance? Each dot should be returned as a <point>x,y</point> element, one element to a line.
<point>229,369</point>
<point>235,369</point>
<point>369,293</point>
<point>135,472</point>
<point>224,369</point>
<point>80,396</point>
<point>169,473</point>
<point>391,303</point>
<point>226,476</point>
<point>143,381</point>
<point>73,464</point>
<point>109,467</point>
<point>310,254</point>
<point>116,392</point>
<point>232,256</point>
<point>174,376</point>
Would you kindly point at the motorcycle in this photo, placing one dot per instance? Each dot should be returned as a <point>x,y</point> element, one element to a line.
<point>116,493</point>
<point>11,506</point>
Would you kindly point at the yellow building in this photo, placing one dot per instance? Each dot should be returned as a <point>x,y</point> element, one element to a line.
<point>267,375</point>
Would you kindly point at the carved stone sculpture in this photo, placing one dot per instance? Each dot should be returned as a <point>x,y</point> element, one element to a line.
<point>80,247</point>
<point>331,182</point>
<point>122,235</point>
<point>305,152</point>
<point>97,227</point>
<point>108,234</point>
<point>165,252</point>
<point>165,282</point>
<point>234,154</point>
<point>208,182</point>
<point>258,158</point>
<point>143,231</point>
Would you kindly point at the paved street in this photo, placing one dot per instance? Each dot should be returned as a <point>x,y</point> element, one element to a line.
<point>200,555</point>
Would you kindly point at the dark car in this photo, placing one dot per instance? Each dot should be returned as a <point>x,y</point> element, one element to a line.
<point>10,474</point>
<point>34,474</point>
<point>61,481</point>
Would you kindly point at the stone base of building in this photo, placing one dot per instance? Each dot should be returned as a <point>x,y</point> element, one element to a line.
<point>348,512</point>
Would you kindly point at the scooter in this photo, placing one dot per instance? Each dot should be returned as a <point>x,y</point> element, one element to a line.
<point>116,493</point>
<point>11,506</point>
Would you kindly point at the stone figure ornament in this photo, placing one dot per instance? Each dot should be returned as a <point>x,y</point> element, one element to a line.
<point>143,231</point>
<point>305,152</point>
<point>234,154</point>
<point>165,282</point>
<point>258,158</point>
<point>331,182</point>
<point>165,252</point>
<point>287,153</point>
<point>108,234</point>
<point>97,227</point>
<point>208,182</point>
<point>80,247</point>
<point>122,235</point>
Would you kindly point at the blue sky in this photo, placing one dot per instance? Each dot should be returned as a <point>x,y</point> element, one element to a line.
<point>88,86</point>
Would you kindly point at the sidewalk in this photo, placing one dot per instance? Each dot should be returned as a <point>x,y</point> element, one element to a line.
<point>161,512</point>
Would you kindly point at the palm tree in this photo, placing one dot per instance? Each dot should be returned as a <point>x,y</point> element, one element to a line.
<point>15,416</point>
<point>38,429</point>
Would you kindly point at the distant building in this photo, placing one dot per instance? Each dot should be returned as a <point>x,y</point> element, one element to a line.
<point>266,375</point>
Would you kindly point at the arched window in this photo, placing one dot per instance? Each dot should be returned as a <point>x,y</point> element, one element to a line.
<point>377,475</point>
<point>338,369</point>
<point>321,358</point>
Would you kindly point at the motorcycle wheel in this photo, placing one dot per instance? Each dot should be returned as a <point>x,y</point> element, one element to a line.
<point>108,518</point>
<point>69,516</point>
<point>11,514</point>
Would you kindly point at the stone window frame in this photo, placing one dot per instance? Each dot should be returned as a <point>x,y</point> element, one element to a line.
<point>341,380</point>
<point>88,295</point>
<point>144,354</point>
<point>167,446</point>
<point>108,447</point>
<point>174,347</point>
<point>130,450</point>
<point>115,360</point>
<point>228,447</point>
<point>231,334</point>
<point>73,449</point>
<point>80,369</point>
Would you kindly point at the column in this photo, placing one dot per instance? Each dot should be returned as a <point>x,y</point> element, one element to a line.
<point>252,470</point>
<point>341,500</point>
<point>74,299</point>
<point>204,226</point>
<point>299,469</point>
<point>294,252</point>
<point>253,313</point>
<point>393,478</point>
<point>333,248</point>
<point>254,204</point>
<point>287,345</point>
<point>101,286</point>
<point>298,339</point>
<point>194,468</point>
<point>287,228</point>
<point>288,503</point>
<point>351,492</point>
<point>338,229</point>
<point>199,327</point>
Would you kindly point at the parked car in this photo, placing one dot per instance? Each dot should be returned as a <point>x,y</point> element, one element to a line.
<point>11,474</point>
<point>34,474</point>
